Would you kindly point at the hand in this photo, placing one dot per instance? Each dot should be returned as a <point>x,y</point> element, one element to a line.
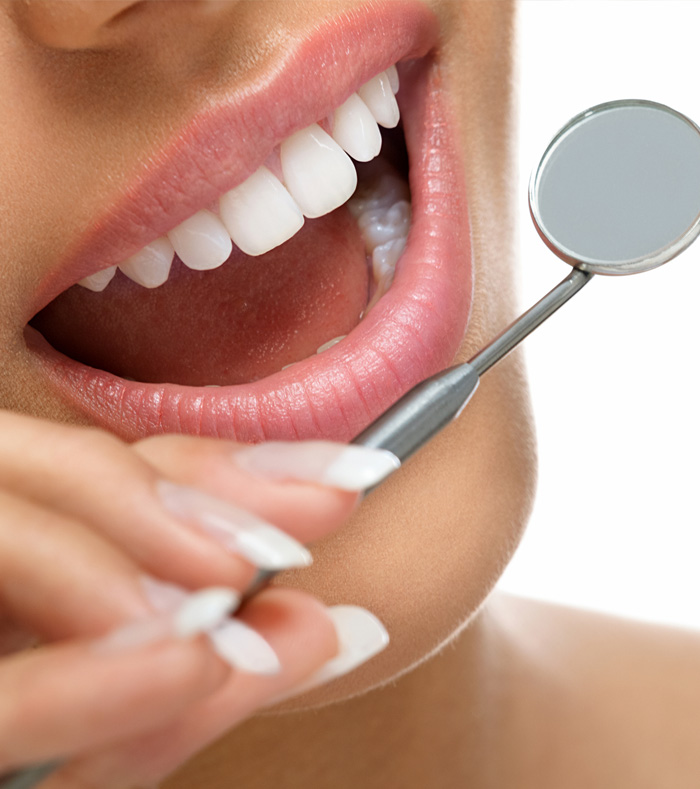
<point>102,546</point>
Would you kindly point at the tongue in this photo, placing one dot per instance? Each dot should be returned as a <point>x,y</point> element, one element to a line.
<point>238,323</point>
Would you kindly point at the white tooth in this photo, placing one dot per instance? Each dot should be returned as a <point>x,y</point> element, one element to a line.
<point>260,214</point>
<point>99,280</point>
<point>150,266</point>
<point>378,96</point>
<point>201,242</point>
<point>356,130</point>
<point>393,75</point>
<point>330,343</point>
<point>382,225</point>
<point>385,257</point>
<point>318,173</point>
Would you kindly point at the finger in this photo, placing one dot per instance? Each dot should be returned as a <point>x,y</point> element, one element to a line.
<point>65,700</point>
<point>93,477</point>
<point>58,578</point>
<point>299,633</point>
<point>305,510</point>
<point>298,628</point>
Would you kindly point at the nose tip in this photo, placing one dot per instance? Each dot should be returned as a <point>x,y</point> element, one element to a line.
<point>71,24</point>
<point>97,24</point>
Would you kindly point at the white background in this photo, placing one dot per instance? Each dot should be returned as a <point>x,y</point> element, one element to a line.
<point>614,375</point>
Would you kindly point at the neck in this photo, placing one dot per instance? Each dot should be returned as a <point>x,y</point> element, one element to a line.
<point>446,718</point>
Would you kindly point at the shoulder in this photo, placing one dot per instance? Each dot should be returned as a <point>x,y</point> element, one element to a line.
<point>606,634</point>
<point>623,697</point>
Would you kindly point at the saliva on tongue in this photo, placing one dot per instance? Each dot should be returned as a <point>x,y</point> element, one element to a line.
<point>232,325</point>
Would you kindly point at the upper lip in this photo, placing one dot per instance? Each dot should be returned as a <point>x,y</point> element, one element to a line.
<point>223,144</point>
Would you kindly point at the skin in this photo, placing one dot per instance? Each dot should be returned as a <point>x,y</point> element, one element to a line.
<point>481,690</point>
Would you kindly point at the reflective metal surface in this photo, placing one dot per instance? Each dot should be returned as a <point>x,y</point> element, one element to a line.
<point>617,190</point>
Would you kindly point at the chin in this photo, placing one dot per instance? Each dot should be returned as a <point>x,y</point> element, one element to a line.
<point>425,550</point>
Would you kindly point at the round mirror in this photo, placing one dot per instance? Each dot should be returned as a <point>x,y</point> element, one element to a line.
<point>618,189</point>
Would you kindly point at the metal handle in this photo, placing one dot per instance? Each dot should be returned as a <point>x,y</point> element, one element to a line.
<point>422,412</point>
<point>537,314</point>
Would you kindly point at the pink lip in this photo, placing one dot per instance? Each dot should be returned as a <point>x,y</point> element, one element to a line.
<point>414,331</point>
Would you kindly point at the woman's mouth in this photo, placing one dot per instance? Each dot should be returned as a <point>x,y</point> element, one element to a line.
<point>300,302</point>
<point>252,282</point>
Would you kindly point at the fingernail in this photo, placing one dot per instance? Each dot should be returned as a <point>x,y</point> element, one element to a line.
<point>244,648</point>
<point>196,613</point>
<point>360,637</point>
<point>237,530</point>
<point>203,611</point>
<point>188,612</point>
<point>346,466</point>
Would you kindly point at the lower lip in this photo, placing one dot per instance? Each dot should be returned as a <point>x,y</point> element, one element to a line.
<point>414,331</point>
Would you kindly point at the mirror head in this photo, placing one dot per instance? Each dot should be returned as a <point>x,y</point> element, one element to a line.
<point>618,189</point>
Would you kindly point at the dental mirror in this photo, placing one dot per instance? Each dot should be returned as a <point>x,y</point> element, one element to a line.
<point>617,191</point>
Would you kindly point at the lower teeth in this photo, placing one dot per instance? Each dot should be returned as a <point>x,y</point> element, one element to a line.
<point>382,208</point>
<point>330,343</point>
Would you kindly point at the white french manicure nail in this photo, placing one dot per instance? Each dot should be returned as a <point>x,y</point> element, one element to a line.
<point>244,648</point>
<point>204,610</point>
<point>163,597</point>
<point>360,637</point>
<point>199,612</point>
<point>344,466</point>
<point>237,530</point>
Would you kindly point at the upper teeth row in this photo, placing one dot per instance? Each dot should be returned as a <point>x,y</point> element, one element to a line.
<point>264,211</point>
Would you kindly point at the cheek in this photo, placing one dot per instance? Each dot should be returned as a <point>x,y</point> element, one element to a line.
<point>424,550</point>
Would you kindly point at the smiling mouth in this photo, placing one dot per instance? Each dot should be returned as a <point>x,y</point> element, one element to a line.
<point>299,304</point>
<point>284,288</point>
